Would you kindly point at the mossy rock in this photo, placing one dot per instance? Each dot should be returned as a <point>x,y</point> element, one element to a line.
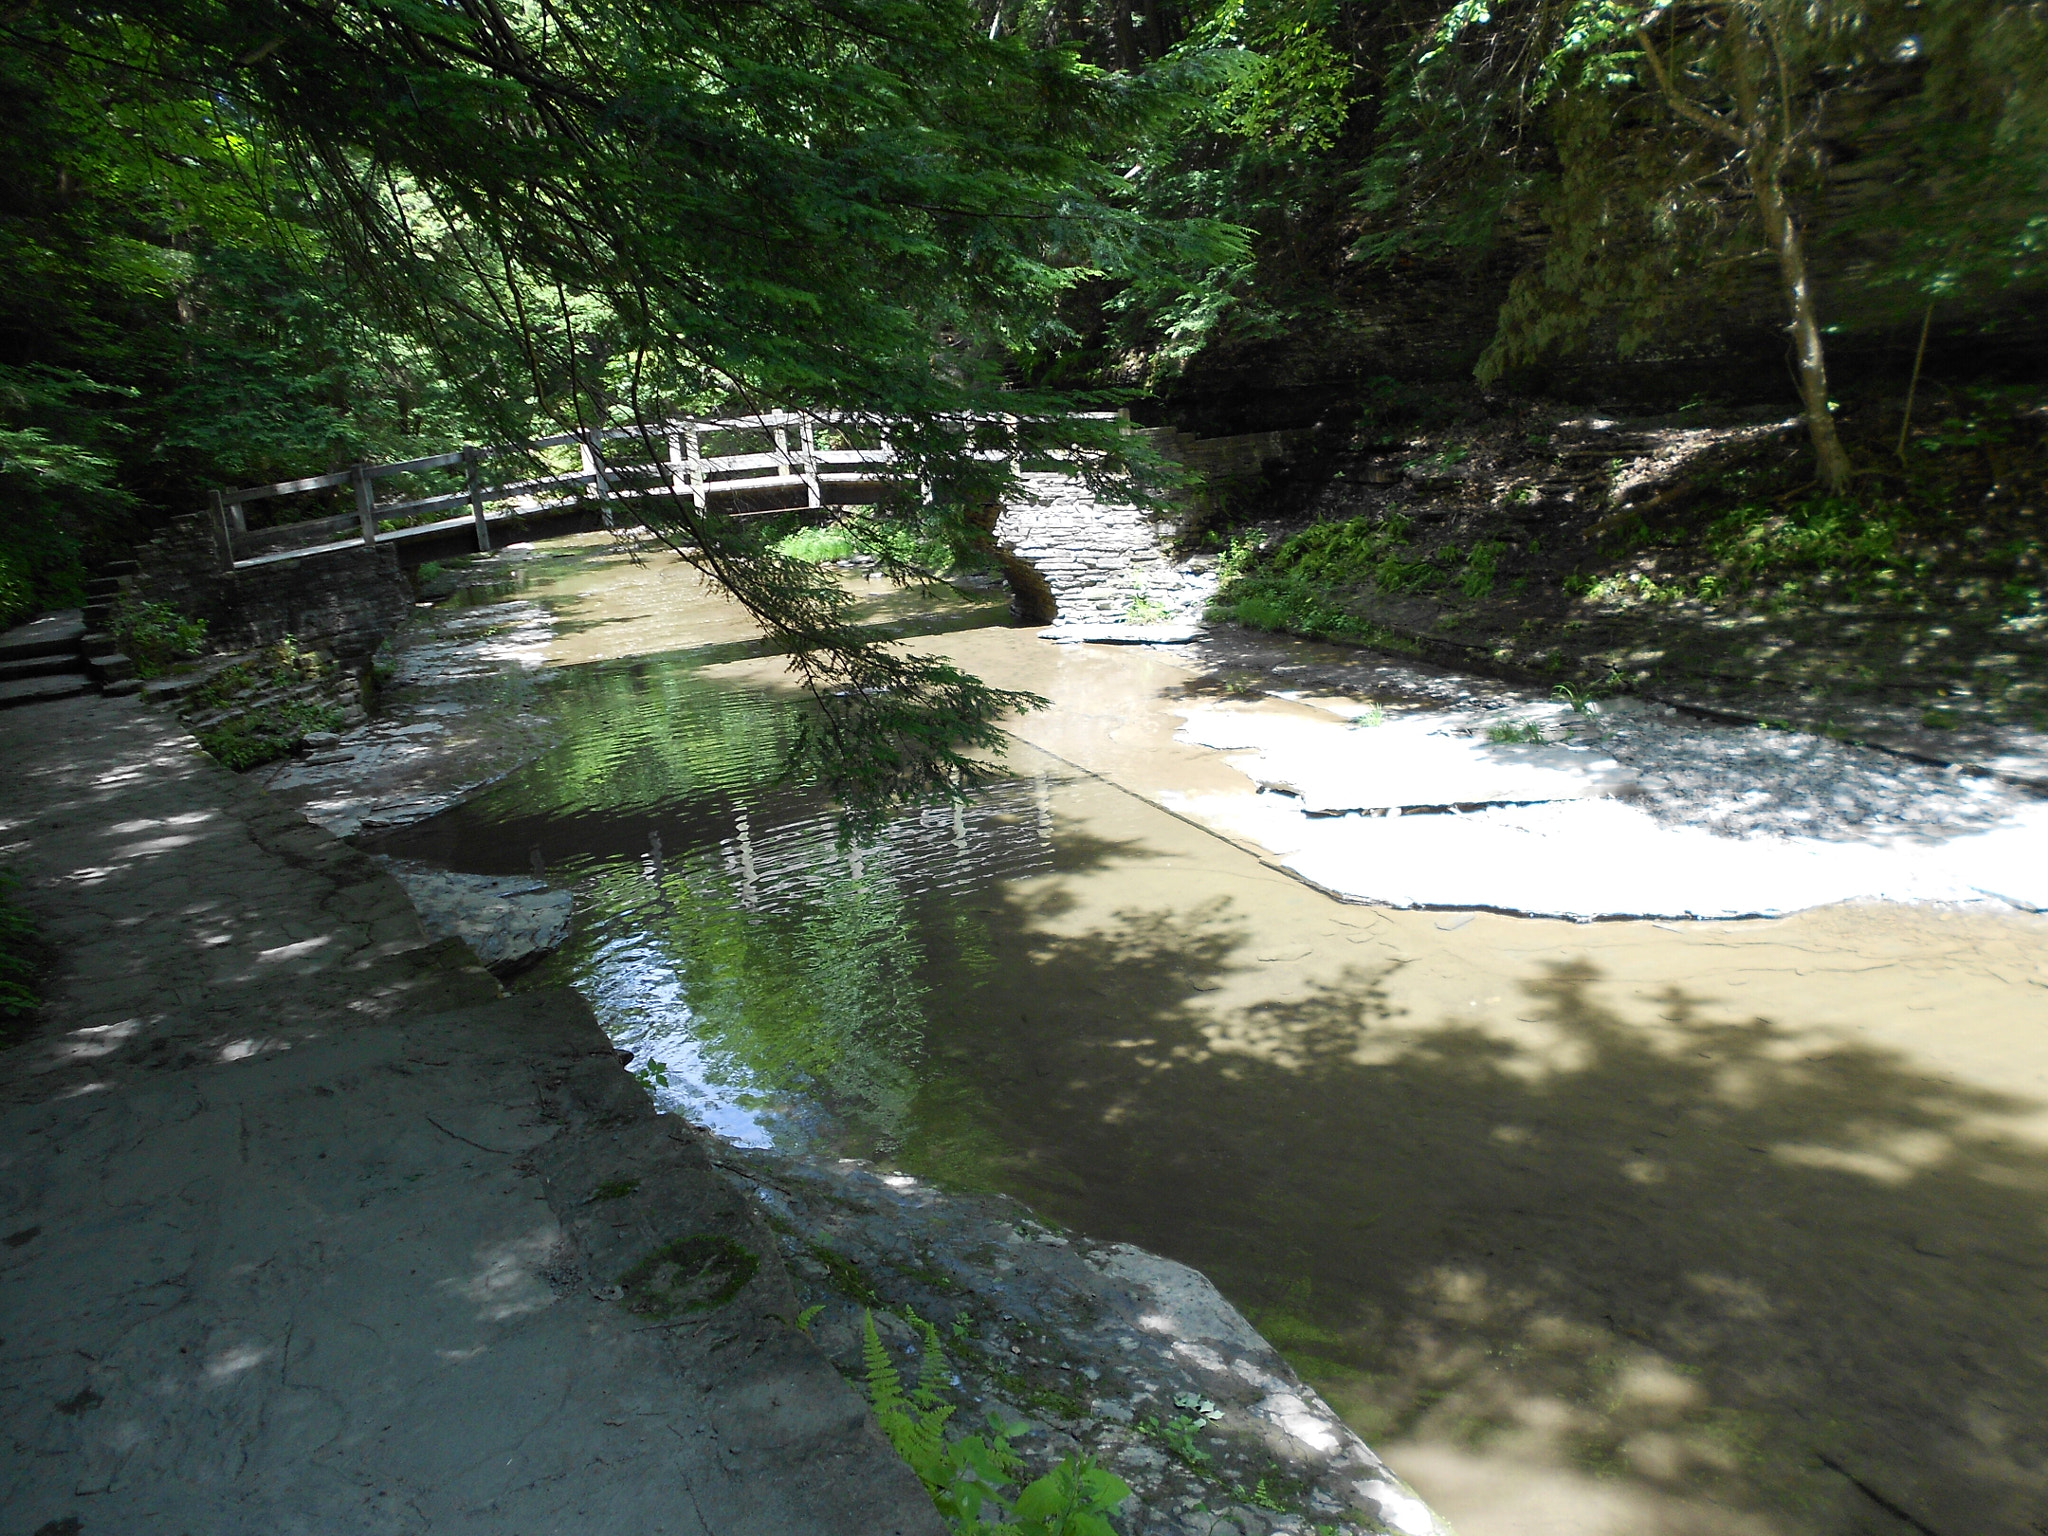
<point>692,1274</point>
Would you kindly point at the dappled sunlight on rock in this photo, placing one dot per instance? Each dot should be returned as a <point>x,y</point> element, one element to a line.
<point>235,1361</point>
<point>99,1039</point>
<point>507,1281</point>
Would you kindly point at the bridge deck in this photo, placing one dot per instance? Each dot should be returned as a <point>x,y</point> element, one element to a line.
<point>758,498</point>
<point>821,475</point>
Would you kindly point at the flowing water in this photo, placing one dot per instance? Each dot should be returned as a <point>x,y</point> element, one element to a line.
<point>1628,1228</point>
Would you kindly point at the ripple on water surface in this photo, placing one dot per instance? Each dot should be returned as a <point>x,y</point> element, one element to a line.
<point>769,976</point>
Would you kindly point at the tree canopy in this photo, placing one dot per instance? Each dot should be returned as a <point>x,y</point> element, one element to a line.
<point>254,239</point>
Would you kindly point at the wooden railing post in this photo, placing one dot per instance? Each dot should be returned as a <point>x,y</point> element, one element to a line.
<point>693,440</point>
<point>783,471</point>
<point>366,502</point>
<point>591,447</point>
<point>223,533</point>
<point>814,493</point>
<point>473,482</point>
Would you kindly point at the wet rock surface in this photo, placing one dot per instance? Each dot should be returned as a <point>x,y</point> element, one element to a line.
<point>506,921</point>
<point>1663,812</point>
<point>1100,1348</point>
<point>458,709</point>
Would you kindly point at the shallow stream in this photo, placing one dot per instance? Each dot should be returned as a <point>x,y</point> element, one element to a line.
<point>1631,1228</point>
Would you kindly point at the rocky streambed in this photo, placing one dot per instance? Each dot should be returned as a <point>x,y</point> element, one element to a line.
<point>1081,1347</point>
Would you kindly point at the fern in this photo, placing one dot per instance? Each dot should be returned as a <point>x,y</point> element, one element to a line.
<point>967,1477</point>
<point>914,1422</point>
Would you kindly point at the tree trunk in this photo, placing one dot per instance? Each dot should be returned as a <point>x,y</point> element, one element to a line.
<point>1767,144</point>
<point>1783,232</point>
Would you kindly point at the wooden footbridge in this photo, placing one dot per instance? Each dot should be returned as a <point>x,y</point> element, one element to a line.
<point>761,473</point>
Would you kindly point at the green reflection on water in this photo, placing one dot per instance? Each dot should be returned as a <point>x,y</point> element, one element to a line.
<point>795,988</point>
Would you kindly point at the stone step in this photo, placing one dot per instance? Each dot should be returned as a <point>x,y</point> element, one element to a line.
<point>35,690</point>
<point>41,666</point>
<point>105,586</point>
<point>109,666</point>
<point>120,568</point>
<point>97,616</point>
<point>54,634</point>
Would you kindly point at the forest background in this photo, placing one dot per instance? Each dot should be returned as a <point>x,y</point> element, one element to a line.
<point>250,241</point>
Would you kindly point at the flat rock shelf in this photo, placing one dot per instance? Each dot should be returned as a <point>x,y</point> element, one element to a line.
<point>1100,1348</point>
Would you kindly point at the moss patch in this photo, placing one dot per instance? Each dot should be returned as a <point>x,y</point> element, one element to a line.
<point>692,1274</point>
<point>845,1277</point>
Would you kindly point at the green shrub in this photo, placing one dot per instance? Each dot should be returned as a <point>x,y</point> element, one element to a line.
<point>267,734</point>
<point>153,635</point>
<point>816,546</point>
<point>892,542</point>
<point>1147,609</point>
<point>17,589</point>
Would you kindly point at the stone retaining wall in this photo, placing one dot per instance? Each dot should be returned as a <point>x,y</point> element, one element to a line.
<point>345,601</point>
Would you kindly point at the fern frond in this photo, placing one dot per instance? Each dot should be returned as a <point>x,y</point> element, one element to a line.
<point>931,1367</point>
<point>885,1387</point>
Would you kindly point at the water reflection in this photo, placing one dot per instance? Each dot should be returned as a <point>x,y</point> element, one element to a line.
<point>770,977</point>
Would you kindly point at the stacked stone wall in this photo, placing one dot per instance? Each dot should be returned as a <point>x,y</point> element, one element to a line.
<point>345,601</point>
<point>1075,559</point>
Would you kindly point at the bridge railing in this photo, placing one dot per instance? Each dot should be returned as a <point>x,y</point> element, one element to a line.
<point>784,467</point>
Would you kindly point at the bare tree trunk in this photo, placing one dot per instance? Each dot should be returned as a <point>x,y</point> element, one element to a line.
<point>1782,230</point>
<point>1764,146</point>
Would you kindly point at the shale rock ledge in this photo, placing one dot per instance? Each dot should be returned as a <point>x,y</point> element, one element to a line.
<point>1100,1348</point>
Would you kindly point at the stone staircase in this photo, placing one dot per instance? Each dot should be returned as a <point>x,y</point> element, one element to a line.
<point>71,651</point>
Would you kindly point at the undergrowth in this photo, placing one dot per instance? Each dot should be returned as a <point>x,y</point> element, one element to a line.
<point>818,545</point>
<point>969,1477</point>
<point>1297,588</point>
<point>1290,605</point>
<point>266,731</point>
<point>1755,542</point>
<point>154,635</point>
<point>266,734</point>
<point>823,543</point>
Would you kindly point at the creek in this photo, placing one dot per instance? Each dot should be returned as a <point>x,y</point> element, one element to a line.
<point>1621,1227</point>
